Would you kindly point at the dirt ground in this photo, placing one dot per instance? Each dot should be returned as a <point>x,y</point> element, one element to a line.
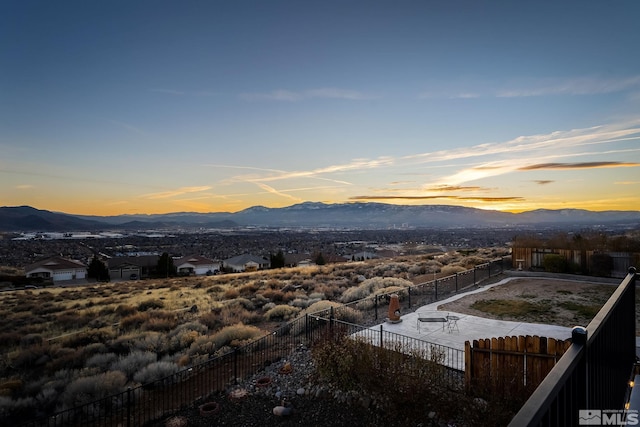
<point>552,301</point>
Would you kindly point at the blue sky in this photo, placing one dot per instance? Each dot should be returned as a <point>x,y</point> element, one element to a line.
<point>157,106</point>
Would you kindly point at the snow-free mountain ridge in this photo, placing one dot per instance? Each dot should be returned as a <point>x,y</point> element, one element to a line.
<point>317,215</point>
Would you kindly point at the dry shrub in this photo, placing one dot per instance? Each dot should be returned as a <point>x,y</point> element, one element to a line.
<point>159,324</point>
<point>470,262</point>
<point>282,312</point>
<point>231,293</point>
<point>150,304</point>
<point>183,336</point>
<point>369,286</point>
<point>101,361</point>
<point>65,358</point>
<point>215,289</point>
<point>133,362</point>
<point>134,321</point>
<point>249,289</point>
<point>124,310</point>
<point>151,341</point>
<point>232,314</point>
<point>450,270</point>
<point>83,339</point>
<point>123,344</point>
<point>155,371</point>
<point>70,320</point>
<point>303,302</point>
<point>241,302</point>
<point>238,332</point>
<point>211,320</point>
<point>321,308</point>
<point>161,321</point>
<point>47,308</point>
<point>331,289</point>
<point>274,295</point>
<point>28,358</point>
<point>87,389</point>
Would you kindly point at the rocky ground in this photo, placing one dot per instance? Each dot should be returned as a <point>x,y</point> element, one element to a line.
<point>287,393</point>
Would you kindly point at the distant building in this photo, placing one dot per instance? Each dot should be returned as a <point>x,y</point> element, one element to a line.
<point>132,267</point>
<point>57,269</point>
<point>196,265</point>
<point>245,262</point>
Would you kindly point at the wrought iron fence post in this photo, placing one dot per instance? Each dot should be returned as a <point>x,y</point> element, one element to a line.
<point>128,406</point>
<point>306,327</point>
<point>235,366</point>
<point>331,320</point>
<point>381,346</point>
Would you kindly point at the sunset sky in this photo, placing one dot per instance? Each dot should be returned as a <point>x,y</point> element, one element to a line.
<point>111,107</point>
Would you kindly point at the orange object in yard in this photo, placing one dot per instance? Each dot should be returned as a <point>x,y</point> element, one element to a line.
<point>394,309</point>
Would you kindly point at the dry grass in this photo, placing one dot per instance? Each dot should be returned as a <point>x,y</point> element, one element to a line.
<point>67,336</point>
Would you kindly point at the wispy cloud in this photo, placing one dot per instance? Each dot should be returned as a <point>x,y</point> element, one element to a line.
<point>24,187</point>
<point>575,86</point>
<point>272,190</point>
<point>525,153</point>
<point>176,193</point>
<point>454,188</point>
<point>627,182</point>
<point>319,173</point>
<point>321,93</point>
<point>583,165</point>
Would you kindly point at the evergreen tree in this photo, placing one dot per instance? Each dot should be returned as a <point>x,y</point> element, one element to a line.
<point>320,259</point>
<point>97,270</point>
<point>277,260</point>
<point>165,267</point>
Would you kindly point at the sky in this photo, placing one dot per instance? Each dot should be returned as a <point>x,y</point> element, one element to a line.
<point>127,107</point>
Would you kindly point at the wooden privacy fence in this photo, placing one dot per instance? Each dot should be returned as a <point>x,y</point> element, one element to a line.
<point>511,365</point>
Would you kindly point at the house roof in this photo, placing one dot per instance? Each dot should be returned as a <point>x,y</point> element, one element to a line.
<point>194,260</point>
<point>140,261</point>
<point>245,258</point>
<point>55,263</point>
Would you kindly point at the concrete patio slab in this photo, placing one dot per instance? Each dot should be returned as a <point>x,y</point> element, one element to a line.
<point>469,327</point>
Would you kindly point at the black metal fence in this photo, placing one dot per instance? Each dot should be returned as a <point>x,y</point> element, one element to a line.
<point>373,308</point>
<point>143,404</point>
<point>451,359</point>
<point>593,374</point>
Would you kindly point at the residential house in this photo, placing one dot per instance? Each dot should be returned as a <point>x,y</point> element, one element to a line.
<point>57,268</point>
<point>196,265</point>
<point>245,262</point>
<point>132,267</point>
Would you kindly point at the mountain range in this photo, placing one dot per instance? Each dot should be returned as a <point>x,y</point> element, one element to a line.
<point>317,215</point>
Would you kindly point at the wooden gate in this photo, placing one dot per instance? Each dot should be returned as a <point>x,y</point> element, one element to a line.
<point>511,365</point>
